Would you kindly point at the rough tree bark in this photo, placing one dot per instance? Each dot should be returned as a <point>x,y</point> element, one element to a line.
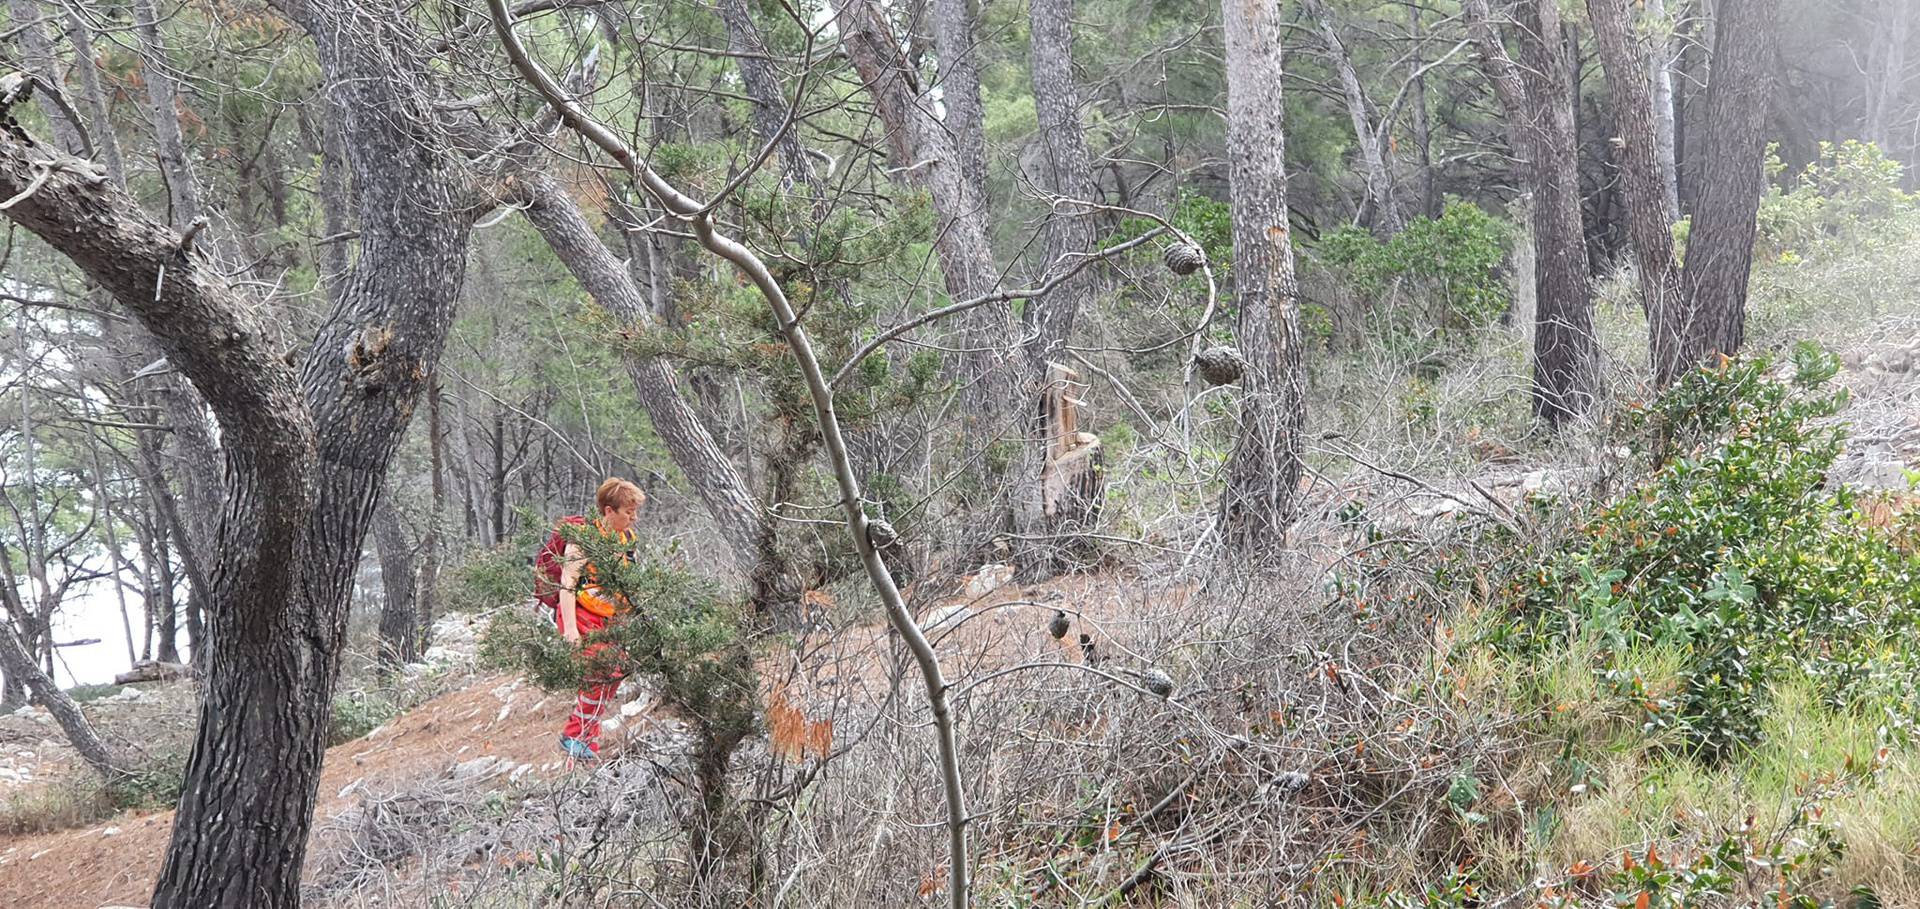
<point>1379,209</point>
<point>959,59</point>
<point>305,454</point>
<point>399,643</point>
<point>1537,96</point>
<point>240,834</point>
<point>207,330</point>
<point>1263,473</point>
<point>928,157</point>
<point>1660,65</point>
<point>1712,319</point>
<point>1645,177</point>
<point>1068,178</point>
<point>1565,349</point>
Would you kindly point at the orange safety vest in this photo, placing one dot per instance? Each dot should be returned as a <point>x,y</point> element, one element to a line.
<point>590,597</point>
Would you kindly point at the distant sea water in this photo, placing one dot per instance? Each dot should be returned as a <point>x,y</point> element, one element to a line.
<point>94,613</point>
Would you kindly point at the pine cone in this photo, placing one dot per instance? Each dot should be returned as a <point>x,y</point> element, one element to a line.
<point>1183,258</point>
<point>1219,365</point>
<point>1160,683</point>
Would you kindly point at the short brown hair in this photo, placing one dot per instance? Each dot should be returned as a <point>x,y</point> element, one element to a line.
<point>616,494</point>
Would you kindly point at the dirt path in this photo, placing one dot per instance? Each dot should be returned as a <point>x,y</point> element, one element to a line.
<point>113,864</point>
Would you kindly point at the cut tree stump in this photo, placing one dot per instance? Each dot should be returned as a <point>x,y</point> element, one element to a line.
<point>1073,482</point>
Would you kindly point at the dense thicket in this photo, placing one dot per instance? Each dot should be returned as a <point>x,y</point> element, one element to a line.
<point>298,284</point>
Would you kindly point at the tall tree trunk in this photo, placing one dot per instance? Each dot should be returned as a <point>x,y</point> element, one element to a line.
<point>1069,230</point>
<point>1565,350</point>
<point>1379,210</point>
<point>398,625</point>
<point>928,158</point>
<point>162,607</point>
<point>250,783</point>
<point>429,596</point>
<point>103,515</point>
<point>1712,319</point>
<point>744,529</point>
<point>1691,118</point>
<point>336,204</point>
<point>959,57</point>
<point>183,191</point>
<point>1644,175</point>
<point>87,67</point>
<point>1886,81</point>
<point>762,83</point>
<point>145,530</point>
<point>192,558</point>
<point>1422,128</point>
<point>305,454</point>
<point>497,487</point>
<point>1660,63</point>
<point>1504,76</point>
<point>33,528</point>
<point>1538,98</point>
<point>198,319</point>
<point>31,17</point>
<point>1263,473</point>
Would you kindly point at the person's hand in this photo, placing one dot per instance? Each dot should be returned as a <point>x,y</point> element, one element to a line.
<point>572,635</point>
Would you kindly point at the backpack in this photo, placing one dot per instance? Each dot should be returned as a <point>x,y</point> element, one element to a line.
<point>548,562</point>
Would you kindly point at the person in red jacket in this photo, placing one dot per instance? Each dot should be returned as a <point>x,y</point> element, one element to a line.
<point>584,609</point>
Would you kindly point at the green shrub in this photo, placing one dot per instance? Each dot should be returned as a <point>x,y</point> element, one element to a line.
<point>1736,554</point>
<point>84,693</point>
<point>488,578</point>
<point>1848,194</point>
<point>1449,266</point>
<point>357,713</point>
<point>681,632</point>
<point>154,785</point>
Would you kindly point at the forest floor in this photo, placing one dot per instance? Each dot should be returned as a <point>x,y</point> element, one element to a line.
<point>493,728</point>
<point>492,733</point>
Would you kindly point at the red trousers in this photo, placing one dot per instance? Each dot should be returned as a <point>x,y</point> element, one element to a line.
<point>597,691</point>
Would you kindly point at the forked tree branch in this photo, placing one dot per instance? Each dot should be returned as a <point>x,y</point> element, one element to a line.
<point>700,217</point>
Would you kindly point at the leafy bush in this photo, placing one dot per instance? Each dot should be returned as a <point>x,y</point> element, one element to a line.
<point>1449,266</point>
<point>1735,554</point>
<point>358,713</point>
<point>154,785</point>
<point>1847,194</point>
<point>84,693</point>
<point>680,632</point>
<point>488,578</point>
